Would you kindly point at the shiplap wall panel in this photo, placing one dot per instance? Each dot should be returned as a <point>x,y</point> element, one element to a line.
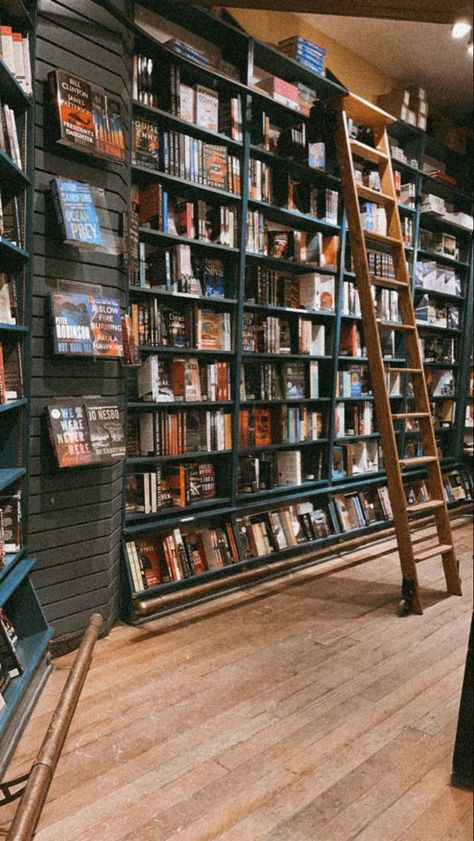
<point>74,514</point>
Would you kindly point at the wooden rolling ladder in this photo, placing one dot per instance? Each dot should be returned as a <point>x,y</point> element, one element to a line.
<point>365,114</point>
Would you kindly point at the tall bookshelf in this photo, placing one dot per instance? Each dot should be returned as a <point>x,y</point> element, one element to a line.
<point>274,337</point>
<point>17,595</point>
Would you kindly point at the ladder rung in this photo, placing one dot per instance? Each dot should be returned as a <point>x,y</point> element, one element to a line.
<point>403,370</point>
<point>368,152</point>
<point>374,195</point>
<point>406,415</point>
<point>366,112</point>
<point>440,549</point>
<point>429,505</point>
<point>395,325</point>
<point>388,282</point>
<point>417,461</point>
<point>383,238</point>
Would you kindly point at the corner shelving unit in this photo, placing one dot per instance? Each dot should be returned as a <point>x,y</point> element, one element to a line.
<point>17,594</point>
<point>232,506</point>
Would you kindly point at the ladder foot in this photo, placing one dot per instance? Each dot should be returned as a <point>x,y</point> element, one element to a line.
<point>406,604</point>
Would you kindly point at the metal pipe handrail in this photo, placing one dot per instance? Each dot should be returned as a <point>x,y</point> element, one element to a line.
<point>42,771</point>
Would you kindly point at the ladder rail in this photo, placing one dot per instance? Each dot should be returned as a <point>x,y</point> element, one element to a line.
<point>376,364</point>
<point>377,120</point>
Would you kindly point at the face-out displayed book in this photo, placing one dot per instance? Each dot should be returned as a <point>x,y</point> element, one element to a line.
<point>76,213</point>
<point>86,325</point>
<point>87,118</point>
<point>85,430</point>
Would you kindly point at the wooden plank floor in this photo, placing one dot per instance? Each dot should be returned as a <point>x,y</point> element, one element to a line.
<point>301,709</point>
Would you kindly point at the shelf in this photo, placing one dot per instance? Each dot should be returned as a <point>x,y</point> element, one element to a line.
<point>289,265</point>
<point>291,401</point>
<point>363,397</point>
<point>346,439</point>
<point>17,330</point>
<point>179,513</point>
<point>284,216</point>
<point>14,180</point>
<point>182,296</point>
<point>180,404</point>
<point>10,475</point>
<point>186,127</point>
<point>12,257</point>
<point>297,166</point>
<point>438,222</point>
<point>180,351</point>
<point>181,186</point>
<point>16,14</point>
<point>296,445</point>
<point>273,61</point>
<point>289,310</point>
<point>433,328</point>
<point>12,92</point>
<point>444,258</point>
<point>132,461</point>
<point>460,299</point>
<point>303,357</point>
<point>12,405</point>
<point>279,490</point>
<point>153,237</point>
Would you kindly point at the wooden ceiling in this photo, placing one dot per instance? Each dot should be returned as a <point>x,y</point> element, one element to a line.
<point>427,11</point>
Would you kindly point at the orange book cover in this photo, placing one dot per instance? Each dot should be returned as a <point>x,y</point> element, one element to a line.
<point>263,427</point>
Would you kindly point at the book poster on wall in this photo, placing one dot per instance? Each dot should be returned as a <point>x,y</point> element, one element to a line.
<point>85,430</point>
<point>86,325</point>
<point>87,118</point>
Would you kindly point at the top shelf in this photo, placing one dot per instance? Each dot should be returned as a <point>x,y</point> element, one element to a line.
<point>12,93</point>
<point>14,13</point>
<point>269,58</point>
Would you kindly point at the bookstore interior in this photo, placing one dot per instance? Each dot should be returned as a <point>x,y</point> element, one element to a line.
<point>236,297</point>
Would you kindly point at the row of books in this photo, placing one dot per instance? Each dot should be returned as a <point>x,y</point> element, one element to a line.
<point>274,334</point>
<point>155,324</point>
<point>188,380</point>
<point>312,291</point>
<point>436,313</point>
<point>356,458</point>
<point>11,138</point>
<point>440,243</point>
<point>177,269</point>
<point>281,189</point>
<point>15,52</point>
<point>86,117</point>
<point>10,525</point>
<point>292,142</point>
<point>175,153</point>
<point>182,552</point>
<point>298,246</point>
<point>179,554</point>
<point>11,665</point>
<point>8,299</point>
<point>170,486</point>
<point>12,219</point>
<point>280,380</point>
<point>261,427</point>
<point>438,349</point>
<point>434,277</point>
<point>297,96</point>
<point>354,418</point>
<point>162,211</point>
<point>175,432</point>
<point>283,468</point>
<point>11,371</point>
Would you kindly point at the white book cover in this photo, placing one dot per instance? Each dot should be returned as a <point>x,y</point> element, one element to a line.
<point>207,108</point>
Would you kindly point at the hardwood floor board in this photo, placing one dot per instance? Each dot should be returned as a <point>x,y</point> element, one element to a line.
<point>302,706</point>
<point>448,808</point>
<point>440,716</point>
<point>463,830</point>
<point>340,811</point>
<point>394,823</point>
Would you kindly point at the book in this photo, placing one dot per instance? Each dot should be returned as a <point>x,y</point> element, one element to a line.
<point>87,119</point>
<point>76,213</point>
<point>146,144</point>
<point>85,325</point>
<point>85,431</point>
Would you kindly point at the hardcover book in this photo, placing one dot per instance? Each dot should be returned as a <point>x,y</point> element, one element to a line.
<point>146,144</point>
<point>85,431</point>
<point>76,213</point>
<point>84,325</point>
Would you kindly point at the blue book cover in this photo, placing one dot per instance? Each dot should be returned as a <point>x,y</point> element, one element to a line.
<point>76,213</point>
<point>85,325</point>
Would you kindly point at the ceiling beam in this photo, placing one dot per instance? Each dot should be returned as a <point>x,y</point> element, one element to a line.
<point>427,11</point>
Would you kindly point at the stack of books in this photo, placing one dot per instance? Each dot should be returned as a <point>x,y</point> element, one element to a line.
<point>304,52</point>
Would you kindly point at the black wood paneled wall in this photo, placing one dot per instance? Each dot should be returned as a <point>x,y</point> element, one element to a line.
<point>74,514</point>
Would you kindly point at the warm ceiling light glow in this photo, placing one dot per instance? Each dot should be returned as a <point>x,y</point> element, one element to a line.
<point>470,50</point>
<point>460,29</point>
